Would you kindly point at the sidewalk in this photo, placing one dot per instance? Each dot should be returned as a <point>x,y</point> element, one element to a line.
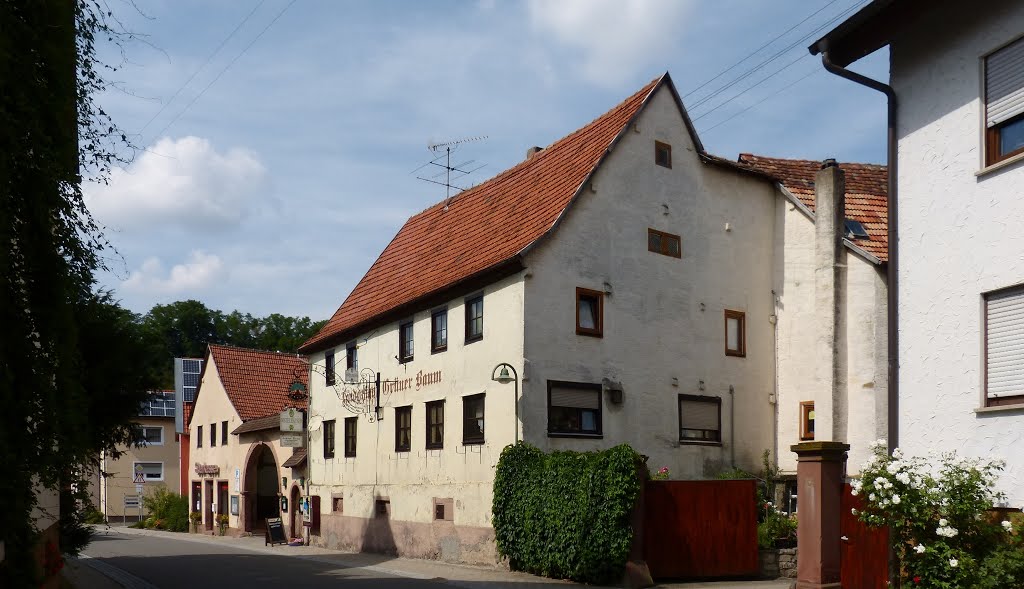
<point>84,574</point>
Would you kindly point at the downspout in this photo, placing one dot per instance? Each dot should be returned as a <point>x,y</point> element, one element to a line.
<point>892,267</point>
<point>732,426</point>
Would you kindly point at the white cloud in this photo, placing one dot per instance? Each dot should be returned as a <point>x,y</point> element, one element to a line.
<point>614,37</point>
<point>201,271</point>
<point>185,182</point>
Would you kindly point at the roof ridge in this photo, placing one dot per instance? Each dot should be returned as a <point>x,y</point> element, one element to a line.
<point>806,161</point>
<point>257,350</point>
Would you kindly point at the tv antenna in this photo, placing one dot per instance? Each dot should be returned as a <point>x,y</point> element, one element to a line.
<point>460,170</point>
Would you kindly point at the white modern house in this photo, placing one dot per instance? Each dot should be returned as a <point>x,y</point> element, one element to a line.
<point>957,76</point>
<point>618,286</point>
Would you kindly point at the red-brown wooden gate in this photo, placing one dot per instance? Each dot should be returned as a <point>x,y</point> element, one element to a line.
<point>865,554</point>
<point>700,529</point>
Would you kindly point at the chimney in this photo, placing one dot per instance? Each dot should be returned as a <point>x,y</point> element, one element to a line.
<point>829,217</point>
<point>532,151</point>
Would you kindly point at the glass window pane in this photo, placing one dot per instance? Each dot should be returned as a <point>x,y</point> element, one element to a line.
<point>586,313</point>
<point>1011,136</point>
<point>589,419</point>
<point>673,246</point>
<point>653,242</point>
<point>732,333</point>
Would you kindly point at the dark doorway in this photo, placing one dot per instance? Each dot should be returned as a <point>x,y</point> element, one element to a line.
<point>296,515</point>
<point>197,497</point>
<point>222,498</point>
<point>261,483</point>
<point>209,505</point>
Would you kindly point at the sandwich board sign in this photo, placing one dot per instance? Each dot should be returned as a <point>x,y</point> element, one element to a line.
<point>275,532</point>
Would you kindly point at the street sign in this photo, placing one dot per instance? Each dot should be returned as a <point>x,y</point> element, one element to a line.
<point>140,479</point>
<point>132,501</point>
<point>291,440</point>
<point>138,489</point>
<point>291,420</point>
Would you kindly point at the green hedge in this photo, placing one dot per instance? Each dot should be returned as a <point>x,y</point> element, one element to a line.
<point>167,510</point>
<point>566,514</point>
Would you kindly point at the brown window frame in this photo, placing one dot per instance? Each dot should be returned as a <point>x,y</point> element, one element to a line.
<point>351,439</point>
<point>435,425</point>
<point>663,239</point>
<point>403,413</point>
<point>329,438</point>
<point>986,399</point>
<point>351,357</point>
<point>330,376</point>
<point>467,402</point>
<point>470,301</point>
<point>223,433</point>
<point>406,341</point>
<point>659,148</point>
<point>717,440</point>
<point>199,436</point>
<point>435,345</point>
<point>557,432</point>
<point>993,135</point>
<point>740,352</point>
<point>213,435</point>
<point>337,504</point>
<point>598,296</point>
<point>806,427</point>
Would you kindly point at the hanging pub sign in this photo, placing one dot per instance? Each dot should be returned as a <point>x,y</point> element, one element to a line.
<point>291,420</point>
<point>291,440</point>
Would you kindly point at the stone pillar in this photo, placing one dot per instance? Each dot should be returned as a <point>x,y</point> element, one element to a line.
<point>820,474</point>
<point>829,228</point>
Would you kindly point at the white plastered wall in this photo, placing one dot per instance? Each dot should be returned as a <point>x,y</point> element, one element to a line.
<point>960,236</point>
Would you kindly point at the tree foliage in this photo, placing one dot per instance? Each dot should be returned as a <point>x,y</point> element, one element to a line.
<point>566,514</point>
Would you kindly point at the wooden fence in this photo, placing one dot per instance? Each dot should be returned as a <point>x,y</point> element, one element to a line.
<point>864,552</point>
<point>700,529</point>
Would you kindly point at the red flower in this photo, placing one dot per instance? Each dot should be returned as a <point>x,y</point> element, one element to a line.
<point>917,579</point>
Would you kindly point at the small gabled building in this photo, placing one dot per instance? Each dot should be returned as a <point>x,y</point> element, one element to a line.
<point>240,467</point>
<point>621,285</point>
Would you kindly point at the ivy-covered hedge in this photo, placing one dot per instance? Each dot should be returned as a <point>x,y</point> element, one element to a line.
<point>566,514</point>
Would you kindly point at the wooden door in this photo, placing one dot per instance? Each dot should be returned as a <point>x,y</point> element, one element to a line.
<point>209,505</point>
<point>865,553</point>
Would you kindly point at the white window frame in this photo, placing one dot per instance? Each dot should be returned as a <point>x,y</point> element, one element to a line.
<point>163,471</point>
<point>142,436</point>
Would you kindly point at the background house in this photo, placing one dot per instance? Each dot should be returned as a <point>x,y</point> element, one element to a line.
<point>631,286</point>
<point>958,78</point>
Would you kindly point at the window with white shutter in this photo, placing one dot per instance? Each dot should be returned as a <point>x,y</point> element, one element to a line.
<point>1004,347</point>
<point>700,419</point>
<point>574,409</point>
<point>1004,102</point>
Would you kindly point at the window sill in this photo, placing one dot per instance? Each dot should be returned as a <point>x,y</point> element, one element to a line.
<point>699,443</point>
<point>405,360</point>
<point>575,435</point>
<point>470,340</point>
<point>596,334</point>
<point>439,350</point>
<point>472,442</point>
<point>1000,165</point>
<point>1016,408</point>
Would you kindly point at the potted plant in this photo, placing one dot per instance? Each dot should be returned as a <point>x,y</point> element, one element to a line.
<point>196,518</point>
<point>222,522</point>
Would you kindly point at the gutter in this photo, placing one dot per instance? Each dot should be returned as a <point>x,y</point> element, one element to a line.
<point>892,267</point>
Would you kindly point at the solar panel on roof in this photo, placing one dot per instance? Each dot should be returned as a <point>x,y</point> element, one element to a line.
<point>854,230</point>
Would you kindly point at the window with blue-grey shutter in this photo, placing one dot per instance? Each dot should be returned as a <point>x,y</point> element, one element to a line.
<point>1004,102</point>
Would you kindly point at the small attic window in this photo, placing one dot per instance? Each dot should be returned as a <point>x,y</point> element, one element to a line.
<point>854,230</point>
<point>663,154</point>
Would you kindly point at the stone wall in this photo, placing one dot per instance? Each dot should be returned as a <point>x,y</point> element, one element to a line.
<point>778,563</point>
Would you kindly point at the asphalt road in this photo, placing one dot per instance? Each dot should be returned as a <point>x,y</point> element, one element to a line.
<point>169,563</point>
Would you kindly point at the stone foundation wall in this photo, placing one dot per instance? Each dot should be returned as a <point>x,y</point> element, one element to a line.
<point>438,540</point>
<point>778,563</point>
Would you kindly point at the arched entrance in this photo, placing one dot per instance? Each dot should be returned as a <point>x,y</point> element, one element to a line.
<point>261,487</point>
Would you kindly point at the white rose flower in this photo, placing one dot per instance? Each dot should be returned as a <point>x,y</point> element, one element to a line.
<point>1007,526</point>
<point>943,523</point>
<point>854,511</point>
<point>919,549</point>
<point>953,562</point>
<point>871,497</point>
<point>896,499</point>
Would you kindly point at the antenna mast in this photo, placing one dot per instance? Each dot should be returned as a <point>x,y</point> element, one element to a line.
<point>461,169</point>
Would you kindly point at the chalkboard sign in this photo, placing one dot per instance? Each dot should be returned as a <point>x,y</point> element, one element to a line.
<point>275,532</point>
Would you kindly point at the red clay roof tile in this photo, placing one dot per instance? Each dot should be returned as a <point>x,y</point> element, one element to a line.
<point>258,382</point>
<point>866,193</point>
<point>480,228</point>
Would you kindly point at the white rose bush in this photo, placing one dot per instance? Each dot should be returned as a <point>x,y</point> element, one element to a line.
<point>939,512</point>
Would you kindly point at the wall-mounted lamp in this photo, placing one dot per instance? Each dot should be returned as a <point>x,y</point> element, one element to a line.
<point>504,378</point>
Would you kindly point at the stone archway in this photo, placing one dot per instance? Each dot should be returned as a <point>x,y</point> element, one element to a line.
<point>260,488</point>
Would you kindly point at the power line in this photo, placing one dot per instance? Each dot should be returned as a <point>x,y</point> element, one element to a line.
<point>227,67</point>
<point>752,86</point>
<point>758,50</point>
<point>756,68</point>
<point>816,70</point>
<point>205,63</point>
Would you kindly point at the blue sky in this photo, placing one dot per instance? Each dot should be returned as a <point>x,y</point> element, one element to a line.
<point>272,179</point>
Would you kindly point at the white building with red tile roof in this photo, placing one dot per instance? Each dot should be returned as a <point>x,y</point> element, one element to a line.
<point>240,467</point>
<point>632,284</point>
